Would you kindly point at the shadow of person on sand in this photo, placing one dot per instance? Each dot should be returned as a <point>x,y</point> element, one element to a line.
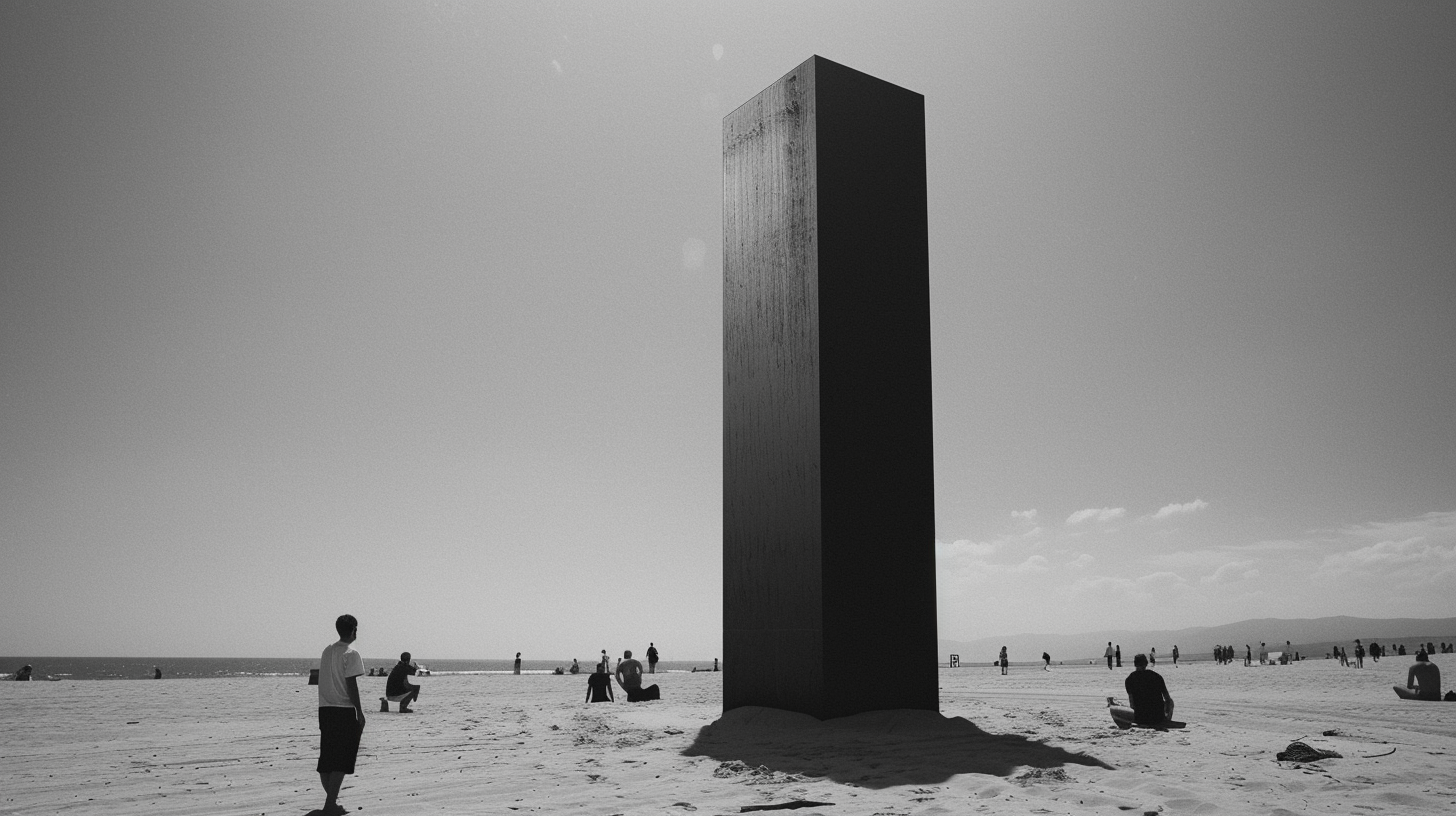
<point>877,749</point>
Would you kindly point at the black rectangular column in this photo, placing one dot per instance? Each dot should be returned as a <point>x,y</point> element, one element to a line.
<point>828,471</point>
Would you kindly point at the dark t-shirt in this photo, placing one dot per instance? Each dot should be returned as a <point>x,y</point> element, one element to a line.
<point>396,683</point>
<point>1145,689</point>
<point>599,683</point>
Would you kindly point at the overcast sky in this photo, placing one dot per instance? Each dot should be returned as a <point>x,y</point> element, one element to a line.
<point>413,310</point>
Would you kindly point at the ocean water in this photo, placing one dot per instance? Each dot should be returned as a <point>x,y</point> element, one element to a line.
<point>141,668</point>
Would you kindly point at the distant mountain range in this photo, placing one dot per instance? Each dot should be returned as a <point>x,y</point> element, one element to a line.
<point>1309,636</point>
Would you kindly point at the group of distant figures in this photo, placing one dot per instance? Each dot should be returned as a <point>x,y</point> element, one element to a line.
<point>341,712</point>
<point>1113,654</point>
<point>27,672</point>
<point>1228,654</point>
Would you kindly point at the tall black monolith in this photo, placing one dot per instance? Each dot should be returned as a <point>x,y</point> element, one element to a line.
<point>828,472</point>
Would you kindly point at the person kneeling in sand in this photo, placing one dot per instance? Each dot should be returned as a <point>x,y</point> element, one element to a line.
<point>397,684</point>
<point>599,686</point>
<point>629,677</point>
<point>1149,702</point>
<point>1423,682</point>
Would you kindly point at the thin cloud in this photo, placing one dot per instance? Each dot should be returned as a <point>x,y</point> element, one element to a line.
<point>1180,509</point>
<point>1082,561</point>
<point>1029,515</point>
<point>1099,514</point>
<point>1231,572</point>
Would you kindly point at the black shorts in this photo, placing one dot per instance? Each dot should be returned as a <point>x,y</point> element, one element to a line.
<point>339,732</point>
<point>639,695</point>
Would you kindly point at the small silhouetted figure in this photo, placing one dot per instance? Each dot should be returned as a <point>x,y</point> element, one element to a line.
<point>1152,656</point>
<point>518,663</point>
<point>575,667</point>
<point>156,672</point>
<point>1047,660</point>
<point>1248,655</point>
<point>1108,655</point>
<point>651,658</point>
<point>1149,702</point>
<point>1117,655</point>
<point>1002,660</point>
<point>1175,654</point>
<point>1359,654</point>
<point>24,672</point>
<point>629,676</point>
<point>715,664</point>
<point>1423,682</point>
<point>397,684</point>
<point>599,685</point>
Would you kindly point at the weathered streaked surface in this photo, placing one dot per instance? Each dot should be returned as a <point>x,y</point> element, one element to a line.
<point>829,517</point>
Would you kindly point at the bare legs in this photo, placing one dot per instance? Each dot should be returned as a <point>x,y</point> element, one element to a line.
<point>332,781</point>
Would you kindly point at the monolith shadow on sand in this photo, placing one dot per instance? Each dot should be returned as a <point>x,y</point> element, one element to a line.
<point>877,749</point>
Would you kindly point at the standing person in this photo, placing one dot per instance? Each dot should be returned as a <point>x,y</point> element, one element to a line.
<point>1152,656</point>
<point>517,669</point>
<point>1149,702</point>
<point>1175,655</point>
<point>397,684</point>
<point>599,685</point>
<point>341,714</point>
<point>1002,660</point>
<point>1263,653</point>
<point>1117,655</point>
<point>1288,658</point>
<point>1108,655</point>
<point>1047,660</point>
<point>1359,654</point>
<point>651,658</point>
<point>1248,655</point>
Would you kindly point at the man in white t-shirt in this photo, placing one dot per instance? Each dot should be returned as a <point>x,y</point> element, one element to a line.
<point>341,715</point>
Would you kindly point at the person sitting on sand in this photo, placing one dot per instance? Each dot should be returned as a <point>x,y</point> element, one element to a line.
<point>629,677</point>
<point>24,673</point>
<point>1423,682</point>
<point>575,667</point>
<point>397,684</point>
<point>599,685</point>
<point>1149,702</point>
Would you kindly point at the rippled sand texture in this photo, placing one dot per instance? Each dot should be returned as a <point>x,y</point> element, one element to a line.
<point>1030,742</point>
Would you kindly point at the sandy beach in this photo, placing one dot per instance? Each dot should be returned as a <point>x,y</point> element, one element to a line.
<point>1030,742</point>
